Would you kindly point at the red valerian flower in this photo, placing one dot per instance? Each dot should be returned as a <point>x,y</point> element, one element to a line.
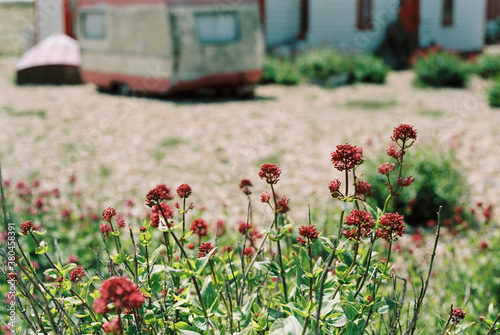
<point>248,252</point>
<point>220,227</point>
<point>282,205</point>
<point>27,227</point>
<point>270,172</point>
<point>362,187</point>
<point>114,326</point>
<point>76,274</point>
<point>120,291</point>
<point>184,191</point>
<point>199,227</point>
<point>334,188</point>
<point>386,168</point>
<point>156,212</point>
<point>108,214</point>
<point>406,181</point>
<point>391,226</point>
<point>121,222</point>
<point>403,133</point>
<point>309,232</point>
<point>300,240</point>
<point>362,222</point>
<point>12,276</point>
<point>242,228</point>
<point>396,154</point>
<point>347,157</point>
<point>244,185</point>
<point>265,197</point>
<point>457,315</point>
<point>105,228</point>
<point>205,249</point>
<point>157,195</point>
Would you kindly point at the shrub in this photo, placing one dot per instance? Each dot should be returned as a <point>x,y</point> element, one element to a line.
<point>494,93</point>
<point>440,69</point>
<point>323,65</point>
<point>370,69</point>
<point>280,71</point>
<point>488,66</point>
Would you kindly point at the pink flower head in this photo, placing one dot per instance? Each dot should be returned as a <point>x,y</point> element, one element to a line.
<point>12,276</point>
<point>248,252</point>
<point>121,222</point>
<point>457,315</point>
<point>184,191</point>
<point>159,211</point>
<point>245,185</point>
<point>406,181</point>
<point>282,205</point>
<point>205,249</point>
<point>157,195</point>
<point>73,259</point>
<point>105,228</point>
<point>391,226</point>
<point>334,188</point>
<point>120,291</point>
<point>77,273</point>
<point>265,197</point>
<point>27,227</point>
<point>300,240</point>
<point>270,172</point>
<point>386,168</point>
<point>347,157</point>
<point>396,154</point>
<point>199,227</point>
<point>403,133</point>
<point>363,188</point>
<point>242,228</point>
<point>362,222</point>
<point>308,232</point>
<point>114,326</point>
<point>108,214</point>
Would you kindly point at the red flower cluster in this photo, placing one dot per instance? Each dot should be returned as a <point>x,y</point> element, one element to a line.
<point>363,188</point>
<point>308,232</point>
<point>391,226</point>
<point>270,172</point>
<point>76,274</point>
<point>386,168</point>
<point>113,327</point>
<point>253,233</point>
<point>457,315</point>
<point>363,223</point>
<point>119,291</point>
<point>156,212</point>
<point>265,197</point>
<point>334,188</point>
<point>199,227</point>
<point>242,228</point>
<point>244,185</point>
<point>105,228</point>
<point>184,191</point>
<point>108,214</point>
<point>248,252</point>
<point>121,222</point>
<point>27,227</point>
<point>205,249</point>
<point>157,195</point>
<point>347,157</point>
<point>405,182</point>
<point>396,154</point>
<point>403,133</point>
<point>282,205</point>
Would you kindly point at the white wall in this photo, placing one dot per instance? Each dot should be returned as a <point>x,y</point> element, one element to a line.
<point>465,34</point>
<point>49,18</point>
<point>282,21</point>
<point>333,23</point>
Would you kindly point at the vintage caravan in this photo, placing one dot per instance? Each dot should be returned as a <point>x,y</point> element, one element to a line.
<point>166,46</point>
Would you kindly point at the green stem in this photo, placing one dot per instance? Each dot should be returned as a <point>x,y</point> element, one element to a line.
<point>280,258</point>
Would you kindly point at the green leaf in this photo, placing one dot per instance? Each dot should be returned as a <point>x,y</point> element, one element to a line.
<point>288,326</point>
<point>145,238</point>
<point>119,258</point>
<point>41,233</point>
<point>65,285</point>
<point>73,300</point>
<point>67,268</point>
<point>187,332</point>
<point>209,296</point>
<point>42,249</point>
<point>149,317</point>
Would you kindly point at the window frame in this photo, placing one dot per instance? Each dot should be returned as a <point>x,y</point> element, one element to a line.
<point>365,15</point>
<point>83,26</point>
<point>447,14</point>
<point>215,40</point>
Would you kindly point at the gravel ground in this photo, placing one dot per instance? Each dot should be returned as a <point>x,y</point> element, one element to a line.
<point>120,147</point>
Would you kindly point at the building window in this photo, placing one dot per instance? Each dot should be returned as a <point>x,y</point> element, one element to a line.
<point>447,12</point>
<point>93,25</point>
<point>215,28</point>
<point>365,15</point>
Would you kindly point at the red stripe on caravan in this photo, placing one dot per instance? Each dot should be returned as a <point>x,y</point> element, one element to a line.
<point>135,83</point>
<point>82,3</point>
<point>230,78</point>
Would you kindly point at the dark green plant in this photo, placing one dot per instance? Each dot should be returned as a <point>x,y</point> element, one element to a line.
<point>370,69</point>
<point>487,65</point>
<point>494,93</point>
<point>441,69</point>
<point>280,71</point>
<point>320,65</point>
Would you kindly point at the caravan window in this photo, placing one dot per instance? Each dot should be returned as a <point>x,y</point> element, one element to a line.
<point>217,27</point>
<point>93,25</point>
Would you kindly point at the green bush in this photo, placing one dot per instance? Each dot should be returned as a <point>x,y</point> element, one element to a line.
<point>494,93</point>
<point>280,71</point>
<point>322,65</point>
<point>441,69</point>
<point>439,181</point>
<point>488,66</point>
<point>370,69</point>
